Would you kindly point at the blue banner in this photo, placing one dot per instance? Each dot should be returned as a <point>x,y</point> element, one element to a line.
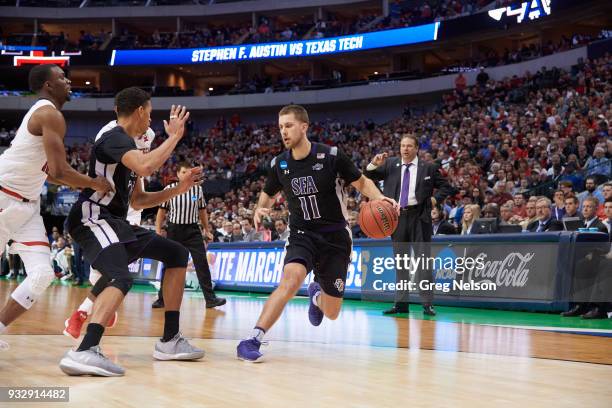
<point>334,45</point>
<point>233,266</point>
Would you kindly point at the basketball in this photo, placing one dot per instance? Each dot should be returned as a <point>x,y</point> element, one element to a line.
<point>378,219</point>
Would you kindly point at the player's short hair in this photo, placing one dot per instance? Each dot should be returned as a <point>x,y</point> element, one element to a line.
<point>298,111</point>
<point>39,75</point>
<point>130,99</point>
<point>411,137</point>
<point>182,165</point>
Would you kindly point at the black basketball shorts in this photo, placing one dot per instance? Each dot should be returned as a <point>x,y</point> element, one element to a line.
<point>327,254</point>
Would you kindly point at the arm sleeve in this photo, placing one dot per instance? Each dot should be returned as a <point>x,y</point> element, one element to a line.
<point>112,148</point>
<point>166,205</point>
<point>273,184</point>
<point>346,168</point>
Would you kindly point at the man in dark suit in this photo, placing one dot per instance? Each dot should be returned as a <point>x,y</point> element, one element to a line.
<point>587,270</point>
<point>545,221</point>
<point>411,182</point>
<point>439,223</point>
<point>589,213</point>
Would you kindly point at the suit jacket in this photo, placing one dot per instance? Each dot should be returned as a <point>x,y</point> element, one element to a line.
<point>601,227</point>
<point>428,177</point>
<point>551,225</point>
<point>446,228</point>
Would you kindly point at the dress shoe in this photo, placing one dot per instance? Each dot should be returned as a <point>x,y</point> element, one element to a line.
<point>428,310</point>
<point>158,304</point>
<point>595,313</point>
<point>214,302</point>
<point>396,310</point>
<point>577,310</point>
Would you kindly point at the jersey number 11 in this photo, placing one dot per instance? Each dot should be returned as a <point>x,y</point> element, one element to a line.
<point>314,208</point>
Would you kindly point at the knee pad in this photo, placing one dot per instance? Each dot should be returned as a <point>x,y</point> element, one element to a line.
<point>123,284</point>
<point>94,275</point>
<point>39,278</point>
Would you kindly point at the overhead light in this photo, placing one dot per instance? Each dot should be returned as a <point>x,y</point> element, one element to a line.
<point>211,88</point>
<point>87,83</point>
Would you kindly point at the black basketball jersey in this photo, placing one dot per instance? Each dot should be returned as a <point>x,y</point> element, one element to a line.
<point>313,187</point>
<point>105,161</point>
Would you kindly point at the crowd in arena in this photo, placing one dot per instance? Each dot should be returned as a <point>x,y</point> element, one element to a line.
<point>502,145</point>
<point>402,13</point>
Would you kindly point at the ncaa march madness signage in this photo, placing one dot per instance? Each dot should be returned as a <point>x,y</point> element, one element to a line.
<point>529,10</point>
<point>247,52</point>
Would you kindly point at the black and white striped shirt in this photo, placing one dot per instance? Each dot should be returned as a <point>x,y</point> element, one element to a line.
<point>184,208</point>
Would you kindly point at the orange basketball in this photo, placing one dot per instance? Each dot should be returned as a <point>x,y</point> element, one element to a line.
<point>378,219</point>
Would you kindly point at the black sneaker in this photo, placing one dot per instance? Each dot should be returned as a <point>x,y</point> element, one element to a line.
<point>214,302</point>
<point>158,304</point>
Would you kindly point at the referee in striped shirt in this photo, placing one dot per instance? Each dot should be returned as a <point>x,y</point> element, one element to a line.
<point>184,213</point>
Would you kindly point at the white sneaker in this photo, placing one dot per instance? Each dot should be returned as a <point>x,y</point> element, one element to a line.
<point>176,349</point>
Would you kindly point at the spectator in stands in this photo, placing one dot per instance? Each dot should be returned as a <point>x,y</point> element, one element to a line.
<point>281,229</point>
<point>545,221</point>
<point>567,187</point>
<point>248,230</point>
<point>460,83</point>
<point>589,214</point>
<point>571,207</point>
<point>607,194</point>
<point>482,78</point>
<point>505,213</point>
<point>354,226</point>
<point>599,166</point>
<point>501,196</point>
<point>530,209</point>
<point>558,209</point>
<point>225,234</point>
<point>470,214</point>
<point>608,216</point>
<point>590,191</point>
<point>519,205</point>
<point>439,223</point>
<point>236,235</point>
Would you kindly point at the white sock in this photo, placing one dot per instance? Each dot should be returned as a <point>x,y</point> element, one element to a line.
<point>258,333</point>
<point>86,306</point>
<point>315,298</point>
<point>2,327</point>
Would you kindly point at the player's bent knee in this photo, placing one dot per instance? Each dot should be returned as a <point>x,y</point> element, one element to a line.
<point>177,256</point>
<point>39,278</point>
<point>123,284</point>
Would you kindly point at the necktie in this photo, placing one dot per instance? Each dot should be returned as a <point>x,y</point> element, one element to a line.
<point>540,228</point>
<point>405,187</point>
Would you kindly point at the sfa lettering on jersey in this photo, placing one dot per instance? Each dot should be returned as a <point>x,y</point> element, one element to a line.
<point>303,186</point>
<point>264,267</point>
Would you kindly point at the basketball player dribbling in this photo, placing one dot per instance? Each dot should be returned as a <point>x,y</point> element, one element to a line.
<point>312,177</point>
<point>74,324</point>
<point>36,155</point>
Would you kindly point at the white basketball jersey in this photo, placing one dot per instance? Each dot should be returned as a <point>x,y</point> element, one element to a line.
<point>23,166</point>
<point>142,143</point>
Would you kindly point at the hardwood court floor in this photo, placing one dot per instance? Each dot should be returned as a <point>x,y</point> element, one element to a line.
<point>361,360</point>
